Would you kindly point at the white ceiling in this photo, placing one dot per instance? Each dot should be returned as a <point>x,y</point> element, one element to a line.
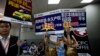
<point>39,6</point>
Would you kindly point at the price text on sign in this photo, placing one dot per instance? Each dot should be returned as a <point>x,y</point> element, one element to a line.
<point>48,26</point>
<point>66,24</point>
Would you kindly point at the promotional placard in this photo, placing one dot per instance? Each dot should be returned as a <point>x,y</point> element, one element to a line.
<point>52,23</point>
<point>63,18</point>
<point>81,36</point>
<point>76,18</point>
<point>18,11</point>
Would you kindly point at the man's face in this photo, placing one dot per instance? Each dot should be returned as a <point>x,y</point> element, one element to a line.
<point>4,28</point>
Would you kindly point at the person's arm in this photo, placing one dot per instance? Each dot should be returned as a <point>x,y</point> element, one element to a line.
<point>19,43</point>
<point>65,39</point>
<point>68,39</point>
<point>42,49</point>
<point>36,48</point>
<point>75,42</point>
<point>45,40</point>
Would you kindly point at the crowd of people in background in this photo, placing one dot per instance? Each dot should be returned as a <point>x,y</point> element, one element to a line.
<point>63,46</point>
<point>32,48</point>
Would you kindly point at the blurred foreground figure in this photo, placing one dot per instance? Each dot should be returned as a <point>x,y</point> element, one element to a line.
<point>8,44</point>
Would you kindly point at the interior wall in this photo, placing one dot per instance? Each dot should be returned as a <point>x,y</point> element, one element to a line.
<point>29,35</point>
<point>25,33</point>
<point>93,27</point>
<point>2,8</point>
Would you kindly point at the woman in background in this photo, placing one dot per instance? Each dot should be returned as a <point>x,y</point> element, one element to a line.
<point>71,43</point>
<point>60,47</point>
<point>50,46</point>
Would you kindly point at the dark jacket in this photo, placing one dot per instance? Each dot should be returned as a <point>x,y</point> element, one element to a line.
<point>12,49</point>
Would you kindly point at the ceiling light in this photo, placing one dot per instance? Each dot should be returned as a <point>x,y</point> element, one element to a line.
<point>86,1</point>
<point>53,1</point>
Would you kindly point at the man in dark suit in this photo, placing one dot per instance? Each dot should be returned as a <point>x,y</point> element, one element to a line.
<point>8,44</point>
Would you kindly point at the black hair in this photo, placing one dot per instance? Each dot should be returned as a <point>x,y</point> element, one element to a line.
<point>5,22</point>
<point>32,43</point>
<point>65,33</point>
<point>40,42</point>
<point>25,40</point>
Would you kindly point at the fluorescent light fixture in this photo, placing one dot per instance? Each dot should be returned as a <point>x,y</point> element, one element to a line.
<point>53,1</point>
<point>86,1</point>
